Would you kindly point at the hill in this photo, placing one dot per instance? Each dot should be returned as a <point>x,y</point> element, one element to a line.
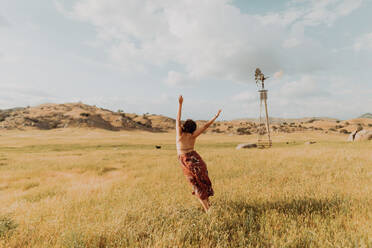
<point>278,120</point>
<point>50,116</point>
<point>366,115</point>
<point>79,115</point>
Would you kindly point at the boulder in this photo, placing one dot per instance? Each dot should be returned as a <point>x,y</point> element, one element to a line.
<point>246,145</point>
<point>352,136</point>
<point>363,135</point>
<point>310,142</point>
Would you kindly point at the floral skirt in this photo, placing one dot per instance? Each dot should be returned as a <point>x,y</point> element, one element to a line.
<point>195,171</point>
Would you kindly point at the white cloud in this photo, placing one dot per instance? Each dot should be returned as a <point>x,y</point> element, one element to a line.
<point>278,74</point>
<point>305,87</point>
<point>364,42</point>
<point>177,79</point>
<point>310,95</point>
<point>245,96</point>
<point>3,21</point>
<point>208,39</point>
<point>328,11</point>
<point>12,95</point>
<point>291,42</point>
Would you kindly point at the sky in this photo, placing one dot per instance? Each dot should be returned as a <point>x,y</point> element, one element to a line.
<point>139,55</point>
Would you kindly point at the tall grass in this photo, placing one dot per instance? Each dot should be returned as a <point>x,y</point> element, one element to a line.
<point>108,189</point>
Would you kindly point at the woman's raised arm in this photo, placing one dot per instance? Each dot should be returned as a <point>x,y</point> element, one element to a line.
<point>179,113</point>
<point>203,128</point>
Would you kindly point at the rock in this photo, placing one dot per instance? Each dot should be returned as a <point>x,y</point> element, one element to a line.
<point>158,147</point>
<point>363,135</point>
<point>245,145</point>
<point>310,142</point>
<point>360,128</point>
<point>360,135</point>
<point>352,136</point>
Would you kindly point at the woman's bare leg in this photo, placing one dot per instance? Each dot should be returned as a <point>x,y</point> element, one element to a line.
<point>205,204</point>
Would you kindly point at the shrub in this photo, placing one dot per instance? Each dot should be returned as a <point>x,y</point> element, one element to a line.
<point>243,130</point>
<point>344,131</point>
<point>6,225</point>
<point>311,121</point>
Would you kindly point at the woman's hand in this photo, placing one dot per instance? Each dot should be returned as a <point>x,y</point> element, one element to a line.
<point>218,113</point>
<point>180,99</point>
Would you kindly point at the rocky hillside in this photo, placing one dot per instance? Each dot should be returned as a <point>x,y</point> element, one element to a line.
<point>327,125</point>
<point>366,115</point>
<point>78,115</point>
<point>50,116</point>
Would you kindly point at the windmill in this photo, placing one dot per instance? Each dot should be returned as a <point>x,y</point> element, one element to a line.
<point>264,139</point>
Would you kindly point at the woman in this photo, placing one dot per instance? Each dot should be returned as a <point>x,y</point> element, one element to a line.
<point>193,165</point>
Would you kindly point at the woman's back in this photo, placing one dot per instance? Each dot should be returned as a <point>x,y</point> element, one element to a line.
<point>185,143</point>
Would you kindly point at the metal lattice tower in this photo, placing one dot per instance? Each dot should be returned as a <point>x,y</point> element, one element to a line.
<point>264,138</point>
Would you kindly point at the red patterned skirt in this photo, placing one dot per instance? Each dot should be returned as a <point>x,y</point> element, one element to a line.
<point>195,171</point>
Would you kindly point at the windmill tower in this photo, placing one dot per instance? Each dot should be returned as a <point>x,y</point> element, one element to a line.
<point>264,139</point>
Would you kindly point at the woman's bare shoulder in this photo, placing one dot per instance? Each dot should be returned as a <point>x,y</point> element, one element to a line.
<point>186,136</point>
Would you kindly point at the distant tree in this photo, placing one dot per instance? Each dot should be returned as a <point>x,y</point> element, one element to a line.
<point>120,111</point>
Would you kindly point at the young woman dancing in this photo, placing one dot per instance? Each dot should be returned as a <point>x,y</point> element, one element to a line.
<point>194,168</point>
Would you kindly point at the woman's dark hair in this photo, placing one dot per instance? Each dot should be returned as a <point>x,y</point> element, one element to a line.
<point>189,126</point>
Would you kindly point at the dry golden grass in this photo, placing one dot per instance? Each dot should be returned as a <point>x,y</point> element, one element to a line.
<point>89,188</point>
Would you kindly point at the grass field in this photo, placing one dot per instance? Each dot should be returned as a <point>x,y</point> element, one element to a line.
<point>90,188</point>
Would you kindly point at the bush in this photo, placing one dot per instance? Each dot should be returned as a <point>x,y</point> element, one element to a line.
<point>344,131</point>
<point>243,130</point>
<point>311,121</point>
<point>6,225</point>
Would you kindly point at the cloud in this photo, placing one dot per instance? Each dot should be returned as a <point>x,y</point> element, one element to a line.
<point>306,87</point>
<point>3,21</point>
<point>328,11</point>
<point>364,42</point>
<point>291,42</point>
<point>12,96</point>
<point>208,39</point>
<point>246,96</point>
<point>177,79</point>
<point>278,74</point>
<point>311,95</point>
